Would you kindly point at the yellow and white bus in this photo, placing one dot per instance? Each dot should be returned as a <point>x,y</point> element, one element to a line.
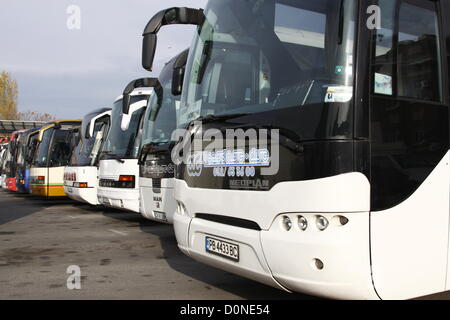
<point>55,144</point>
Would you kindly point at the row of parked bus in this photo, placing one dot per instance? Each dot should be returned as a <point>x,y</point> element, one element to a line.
<point>33,160</point>
<point>105,159</point>
<point>351,198</point>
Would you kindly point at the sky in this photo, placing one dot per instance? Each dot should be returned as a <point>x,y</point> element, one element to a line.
<point>68,72</point>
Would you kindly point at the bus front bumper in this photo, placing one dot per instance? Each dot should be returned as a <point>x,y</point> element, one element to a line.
<point>45,190</point>
<point>123,199</point>
<point>190,235</point>
<point>289,260</point>
<point>86,195</point>
<point>157,204</point>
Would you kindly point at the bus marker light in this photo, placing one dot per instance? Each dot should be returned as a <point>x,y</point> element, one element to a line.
<point>339,221</point>
<point>126,178</point>
<point>318,264</point>
<point>287,223</point>
<point>302,223</point>
<point>343,220</point>
<point>321,222</point>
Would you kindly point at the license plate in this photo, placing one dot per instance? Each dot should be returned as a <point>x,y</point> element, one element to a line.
<point>160,215</point>
<point>222,248</point>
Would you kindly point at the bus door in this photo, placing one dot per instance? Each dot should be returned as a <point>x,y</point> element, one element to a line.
<point>59,156</point>
<point>409,159</point>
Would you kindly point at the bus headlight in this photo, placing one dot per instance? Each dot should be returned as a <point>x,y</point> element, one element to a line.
<point>321,222</point>
<point>302,223</point>
<point>287,223</point>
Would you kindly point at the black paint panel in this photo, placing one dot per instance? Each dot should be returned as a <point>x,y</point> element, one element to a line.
<point>319,159</point>
<point>408,140</point>
<point>158,163</point>
<point>320,145</point>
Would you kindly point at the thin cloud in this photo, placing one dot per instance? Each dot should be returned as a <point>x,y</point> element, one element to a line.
<point>69,72</point>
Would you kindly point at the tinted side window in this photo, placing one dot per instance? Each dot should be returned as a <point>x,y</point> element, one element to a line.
<point>407,53</point>
<point>446,12</point>
<point>408,137</point>
<point>418,52</point>
<point>61,149</point>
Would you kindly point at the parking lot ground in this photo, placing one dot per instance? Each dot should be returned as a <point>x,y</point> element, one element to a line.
<point>121,256</point>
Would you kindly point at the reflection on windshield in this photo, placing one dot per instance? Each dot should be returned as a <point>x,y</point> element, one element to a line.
<point>54,150</point>
<point>41,155</point>
<point>258,56</point>
<point>21,151</point>
<point>161,113</point>
<point>61,148</point>
<point>31,149</point>
<point>3,155</point>
<point>122,144</point>
<point>86,151</point>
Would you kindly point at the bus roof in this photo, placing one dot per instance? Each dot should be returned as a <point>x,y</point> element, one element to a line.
<point>70,123</point>
<point>137,92</point>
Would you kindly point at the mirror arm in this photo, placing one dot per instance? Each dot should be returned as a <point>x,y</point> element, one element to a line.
<point>165,17</point>
<point>138,83</point>
<point>174,15</point>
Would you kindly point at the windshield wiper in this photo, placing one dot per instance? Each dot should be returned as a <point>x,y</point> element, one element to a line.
<point>116,157</point>
<point>145,150</point>
<point>220,118</point>
<point>155,143</point>
<point>288,138</point>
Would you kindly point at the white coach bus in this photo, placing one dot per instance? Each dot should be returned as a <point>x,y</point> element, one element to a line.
<point>353,199</point>
<point>156,167</point>
<point>119,169</point>
<point>81,175</point>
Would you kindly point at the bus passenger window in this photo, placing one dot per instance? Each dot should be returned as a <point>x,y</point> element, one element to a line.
<point>384,42</point>
<point>409,68</point>
<point>418,53</point>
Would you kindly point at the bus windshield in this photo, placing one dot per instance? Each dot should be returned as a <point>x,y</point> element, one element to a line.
<point>41,155</point>
<point>84,153</point>
<point>123,144</point>
<point>2,159</point>
<point>61,148</point>
<point>160,116</point>
<point>54,150</point>
<point>22,150</point>
<point>289,62</point>
<point>31,149</point>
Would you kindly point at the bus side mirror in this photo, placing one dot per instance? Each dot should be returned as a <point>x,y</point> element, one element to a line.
<point>179,69</point>
<point>143,152</point>
<point>177,81</point>
<point>169,16</point>
<point>149,50</point>
<point>138,83</point>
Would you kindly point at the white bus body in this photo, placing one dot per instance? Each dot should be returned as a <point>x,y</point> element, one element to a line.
<point>156,179</point>
<point>81,176</point>
<point>357,205</point>
<point>119,169</point>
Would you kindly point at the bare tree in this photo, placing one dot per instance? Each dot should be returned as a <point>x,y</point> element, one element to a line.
<point>34,116</point>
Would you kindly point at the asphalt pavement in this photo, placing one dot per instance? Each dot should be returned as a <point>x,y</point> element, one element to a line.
<point>120,255</point>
